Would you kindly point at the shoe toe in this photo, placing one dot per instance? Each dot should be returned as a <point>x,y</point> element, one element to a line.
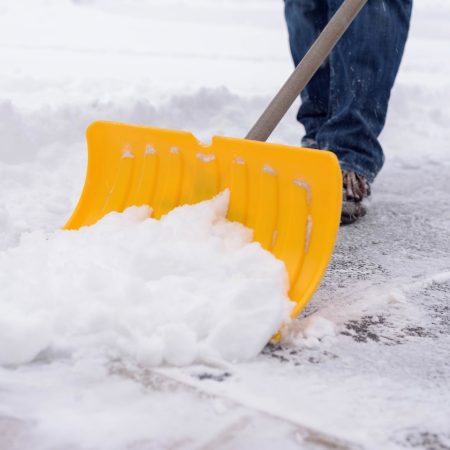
<point>351,212</point>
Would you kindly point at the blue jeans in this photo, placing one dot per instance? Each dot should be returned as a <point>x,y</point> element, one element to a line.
<point>344,106</point>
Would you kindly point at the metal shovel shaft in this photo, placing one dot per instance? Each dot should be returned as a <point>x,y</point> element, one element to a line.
<point>303,73</point>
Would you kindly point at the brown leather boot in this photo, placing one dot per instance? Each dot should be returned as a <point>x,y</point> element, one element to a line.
<point>355,190</point>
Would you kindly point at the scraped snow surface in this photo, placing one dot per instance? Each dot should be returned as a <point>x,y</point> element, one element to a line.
<point>366,366</point>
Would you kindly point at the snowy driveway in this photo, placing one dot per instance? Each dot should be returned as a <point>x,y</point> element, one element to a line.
<point>380,380</point>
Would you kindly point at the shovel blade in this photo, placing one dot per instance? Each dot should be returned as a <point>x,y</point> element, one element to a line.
<point>289,196</point>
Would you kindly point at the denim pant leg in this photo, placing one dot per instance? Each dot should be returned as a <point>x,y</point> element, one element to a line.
<point>305,20</point>
<point>363,67</point>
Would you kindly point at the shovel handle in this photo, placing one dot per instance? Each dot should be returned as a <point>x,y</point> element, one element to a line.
<point>308,66</point>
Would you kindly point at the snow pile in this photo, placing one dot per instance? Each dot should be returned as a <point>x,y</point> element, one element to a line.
<point>189,287</point>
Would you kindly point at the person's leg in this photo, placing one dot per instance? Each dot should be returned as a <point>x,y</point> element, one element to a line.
<point>305,20</point>
<point>363,67</point>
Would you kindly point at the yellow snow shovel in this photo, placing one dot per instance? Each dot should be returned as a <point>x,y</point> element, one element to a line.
<point>290,196</point>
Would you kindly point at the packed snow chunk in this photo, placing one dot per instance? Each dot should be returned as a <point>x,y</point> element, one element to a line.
<point>310,331</point>
<point>318,327</point>
<point>189,287</point>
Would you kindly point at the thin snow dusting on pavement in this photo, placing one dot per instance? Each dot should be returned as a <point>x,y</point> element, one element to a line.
<point>136,334</point>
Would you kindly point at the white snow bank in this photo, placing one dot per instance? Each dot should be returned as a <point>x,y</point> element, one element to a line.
<point>189,287</point>
<point>47,132</point>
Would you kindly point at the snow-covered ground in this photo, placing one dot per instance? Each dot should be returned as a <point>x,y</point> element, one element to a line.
<point>369,365</point>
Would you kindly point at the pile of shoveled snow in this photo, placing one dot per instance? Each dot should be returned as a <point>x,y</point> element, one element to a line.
<point>189,287</point>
